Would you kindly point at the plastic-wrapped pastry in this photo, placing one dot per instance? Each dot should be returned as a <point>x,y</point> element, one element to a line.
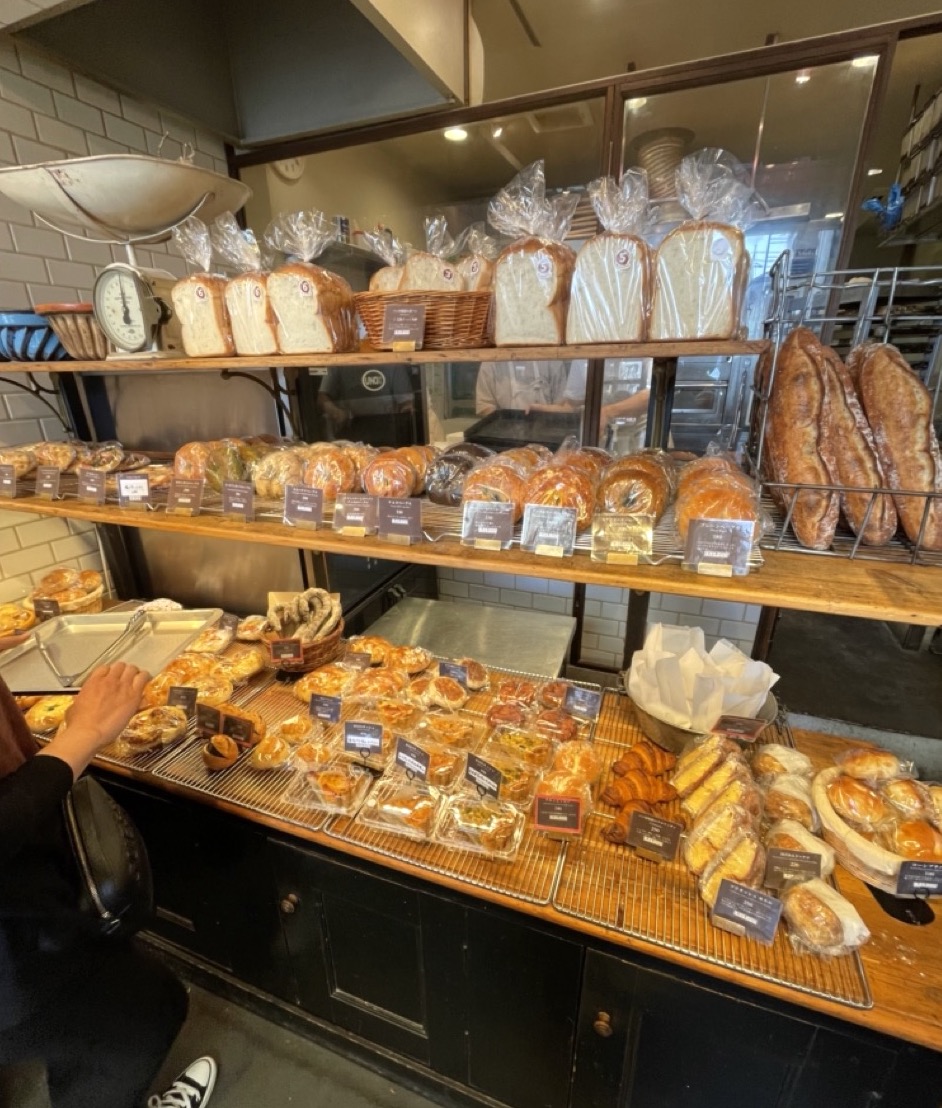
<point>496,482</point>
<point>445,478</point>
<point>742,860</point>
<point>911,797</point>
<point>721,498</point>
<point>332,470</point>
<point>379,682</point>
<point>48,712</point>
<point>446,692</point>
<point>458,729</point>
<point>638,484</point>
<point>259,727</point>
<point>239,664</point>
<point>914,839</point>
<point>419,457</point>
<point>562,486</point>
<point>189,462</point>
<point>390,475</point>
<point>774,760</point>
<point>329,680</point>
<point>15,619</point>
<point>272,752</point>
<point>718,826</point>
<point>579,758</point>
<point>476,671</point>
<point>361,454</point>
<point>699,760</point>
<point>787,834</point>
<point>703,796</point>
<point>413,659</point>
<point>517,690</point>
<point>506,714</point>
<point>534,750</point>
<point>821,920</point>
<point>405,807</point>
<point>155,727</point>
<point>557,724</point>
<point>857,803</point>
<point>272,473</point>
<point>871,765</point>
<point>518,780</point>
<point>58,454</point>
<point>741,791</point>
<point>789,797</point>
<point>23,461</point>
<point>486,825</point>
<point>935,811</point>
<point>224,463</point>
<point>106,457</point>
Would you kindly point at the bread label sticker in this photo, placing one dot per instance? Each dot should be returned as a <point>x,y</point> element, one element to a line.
<point>91,486</point>
<point>400,519</point>
<point>783,866</point>
<point>238,729</point>
<point>544,267</point>
<point>448,274</point>
<point>47,482</point>
<point>745,911</point>
<point>919,879</point>
<point>46,608</point>
<point>325,708</point>
<point>184,498</point>
<point>455,671</point>
<point>304,507</point>
<point>620,539</point>
<point>257,292</point>
<point>133,490</point>
<point>413,759</point>
<point>654,838</point>
<point>584,703</point>
<point>208,720</point>
<point>719,547</point>
<point>305,287</point>
<point>200,292</point>
<point>8,482</point>
<point>238,499</point>
<point>404,326</point>
<point>721,247</point>
<point>548,531</point>
<point>744,728</point>
<point>286,650</point>
<point>486,778</point>
<point>361,737</point>
<point>487,525</point>
<point>356,513</point>
<point>623,259</point>
<point>183,696</point>
<point>562,814</point>
<point>474,268</point>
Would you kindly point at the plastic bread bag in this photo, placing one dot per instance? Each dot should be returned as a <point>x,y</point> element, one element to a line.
<point>789,834</point>
<point>773,760</point>
<point>224,463</point>
<point>496,481</point>
<point>610,293</point>
<point>276,470</point>
<point>717,827</point>
<point>430,270</point>
<point>313,308</point>
<point>253,326</point>
<point>721,496</point>
<point>392,252</point>
<point>701,267</point>
<point>189,462</point>
<point>870,763</point>
<point>822,921</point>
<point>200,299</point>
<point>332,470</point>
<point>636,484</point>
<point>789,797</point>
<point>911,837</point>
<point>742,860</point>
<point>532,276</point>
<point>476,252</point>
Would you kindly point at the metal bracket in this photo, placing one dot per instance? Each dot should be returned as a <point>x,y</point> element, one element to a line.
<point>36,390</point>
<point>275,390</point>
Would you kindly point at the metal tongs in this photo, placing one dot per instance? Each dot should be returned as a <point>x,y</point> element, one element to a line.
<point>134,624</point>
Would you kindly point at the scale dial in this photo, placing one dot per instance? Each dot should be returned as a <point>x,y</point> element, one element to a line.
<point>125,308</point>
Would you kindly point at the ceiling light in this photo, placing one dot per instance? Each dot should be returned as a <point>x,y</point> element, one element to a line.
<point>803,77</point>
<point>496,132</point>
<point>874,172</point>
<point>770,165</point>
<point>636,103</point>
<point>456,134</point>
<point>865,61</point>
<point>834,215</point>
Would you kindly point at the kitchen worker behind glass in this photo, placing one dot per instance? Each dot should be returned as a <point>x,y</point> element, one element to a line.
<point>519,386</point>
<point>370,404</point>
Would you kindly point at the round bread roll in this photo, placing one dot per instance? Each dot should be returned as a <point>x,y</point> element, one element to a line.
<point>719,499</point>
<point>857,803</point>
<point>58,581</point>
<point>48,712</point>
<point>634,487</point>
<point>379,682</point>
<point>562,487</point>
<point>517,689</point>
<point>418,458</point>
<point>910,797</point>
<point>270,753</point>
<point>189,462</point>
<point>239,663</point>
<point>476,673</point>
<point>361,454</point>
<point>526,458</point>
<point>390,475</point>
<point>914,839</point>
<point>158,726</point>
<point>871,765</point>
<point>445,478</point>
<point>579,758</point>
<point>446,692</point>
<point>272,473</point>
<point>331,470</point>
<point>709,465</point>
<point>329,680</point>
<point>220,752</point>
<point>417,692</point>
<point>377,647</point>
<point>413,659</point>
<point>496,482</point>
<point>592,460</point>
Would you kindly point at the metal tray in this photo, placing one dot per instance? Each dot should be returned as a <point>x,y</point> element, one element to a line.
<point>75,640</point>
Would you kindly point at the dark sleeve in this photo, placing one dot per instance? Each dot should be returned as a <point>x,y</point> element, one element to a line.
<point>331,383</point>
<point>27,798</point>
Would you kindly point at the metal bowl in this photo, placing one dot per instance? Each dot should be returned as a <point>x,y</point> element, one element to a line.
<point>675,739</point>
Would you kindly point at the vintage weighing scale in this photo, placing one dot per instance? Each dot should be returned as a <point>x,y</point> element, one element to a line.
<point>126,200</point>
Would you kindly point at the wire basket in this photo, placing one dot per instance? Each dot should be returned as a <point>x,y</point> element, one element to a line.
<point>313,654</point>
<point>452,319</point>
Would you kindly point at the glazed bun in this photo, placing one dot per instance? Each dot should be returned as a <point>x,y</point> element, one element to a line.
<point>857,803</point>
<point>390,474</point>
<point>497,482</point>
<point>563,487</point>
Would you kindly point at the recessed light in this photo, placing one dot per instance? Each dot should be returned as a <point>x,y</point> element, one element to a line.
<point>770,165</point>
<point>496,132</point>
<point>456,134</point>
<point>834,215</point>
<point>637,102</point>
<point>874,172</point>
<point>865,61</point>
<point>803,77</point>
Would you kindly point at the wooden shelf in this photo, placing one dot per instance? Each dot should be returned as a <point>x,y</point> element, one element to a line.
<point>369,356</point>
<point>836,586</point>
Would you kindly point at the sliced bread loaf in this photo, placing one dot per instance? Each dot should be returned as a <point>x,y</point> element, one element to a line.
<point>699,282</point>
<point>253,328</point>
<point>531,293</point>
<point>200,304</point>
<point>428,273</point>
<point>313,310</point>
<point>609,297</point>
<point>386,279</point>
<point>477,272</point>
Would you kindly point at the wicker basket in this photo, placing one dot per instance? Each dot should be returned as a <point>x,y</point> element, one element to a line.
<point>314,654</point>
<point>77,330</point>
<point>89,604</point>
<point>452,319</point>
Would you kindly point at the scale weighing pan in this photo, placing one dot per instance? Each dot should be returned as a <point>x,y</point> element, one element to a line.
<point>121,198</point>
<point>74,641</point>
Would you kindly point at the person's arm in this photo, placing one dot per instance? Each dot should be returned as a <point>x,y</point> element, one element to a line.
<point>631,406</point>
<point>485,398</point>
<point>337,415</point>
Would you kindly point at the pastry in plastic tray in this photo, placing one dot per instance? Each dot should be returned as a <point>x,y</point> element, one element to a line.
<point>413,659</point>
<point>580,758</point>
<point>337,787</point>
<point>377,682</point>
<point>488,826</point>
<point>517,690</point>
<point>557,724</point>
<point>534,749</point>
<point>317,752</point>
<point>712,832</point>
<point>506,714</point>
<point>477,673</point>
<point>787,834</point>
<point>553,694</point>
<point>329,680</point>
<point>378,648</point>
<point>273,752</point>
<point>252,628</point>
<point>155,727</point>
<point>458,729</point>
<point>446,692</point>
<point>563,783</point>
<point>775,760</point>
<point>396,713</point>
<point>821,920</point>
<point>48,712</point>
<point>15,619</point>
<point>446,766</point>
<point>648,758</point>
<point>377,760</point>
<point>518,780</point>
<point>297,729</point>
<point>857,803</point>
<point>240,663</point>
<point>742,860</point>
<point>402,807</point>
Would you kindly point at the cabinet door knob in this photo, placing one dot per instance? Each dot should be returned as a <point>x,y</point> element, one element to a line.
<point>602,1025</point>
<point>290,903</point>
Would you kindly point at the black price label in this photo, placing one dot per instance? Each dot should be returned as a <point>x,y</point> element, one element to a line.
<point>184,498</point>
<point>238,499</point>
<point>8,482</point>
<point>183,696</point>
<point>548,531</point>
<point>326,708</point>
<point>457,672</point>
<point>748,912</point>
<point>304,507</point>
<point>404,326</point>
<point>584,703</point>
<point>286,650</point>
<point>487,779</point>
<point>46,609</point>
<point>744,728</point>
<point>363,737</point>
<point>413,759</point>
<point>357,659</point>
<point>783,866</point>
<point>208,719</point>
<point>400,519</point>
<point>47,482</point>
<point>238,729</point>
<point>133,490</point>
<point>558,813</point>
<point>91,486</point>
<point>355,513</point>
<point>229,621</point>
<point>719,547</point>
<point>486,525</point>
<point>919,879</point>
<point>654,837</point>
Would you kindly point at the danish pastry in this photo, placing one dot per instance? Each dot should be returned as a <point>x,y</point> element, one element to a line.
<point>48,712</point>
<point>158,726</point>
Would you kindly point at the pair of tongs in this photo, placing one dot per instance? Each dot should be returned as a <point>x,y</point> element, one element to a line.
<point>69,680</point>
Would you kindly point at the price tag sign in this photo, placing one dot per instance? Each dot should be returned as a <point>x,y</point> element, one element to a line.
<point>238,499</point>
<point>47,482</point>
<point>400,520</point>
<point>184,498</point>
<point>744,728</point>
<point>919,879</point>
<point>304,507</point>
<point>487,526</point>
<point>548,531</point>
<point>208,720</point>
<point>91,486</point>
<point>8,482</point>
<point>653,837</point>
<point>286,650</point>
<point>413,759</point>
<point>133,490</point>
<point>584,703</point>
<point>622,540</point>
<point>719,547</point>
<point>238,729</point>
<point>783,866</point>
<point>452,669</point>
<point>182,696</point>
<point>748,912</point>
<point>46,609</point>
<point>558,813</point>
<point>487,779</point>
<point>355,513</point>
<point>326,708</point>
<point>229,621</point>
<point>357,659</point>
<point>362,737</point>
<point>404,326</point>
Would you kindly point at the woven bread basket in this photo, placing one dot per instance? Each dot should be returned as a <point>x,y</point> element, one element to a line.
<point>77,329</point>
<point>89,604</point>
<point>313,654</point>
<point>452,319</point>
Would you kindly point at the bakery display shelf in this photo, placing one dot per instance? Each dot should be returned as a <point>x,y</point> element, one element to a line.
<point>367,355</point>
<point>611,886</point>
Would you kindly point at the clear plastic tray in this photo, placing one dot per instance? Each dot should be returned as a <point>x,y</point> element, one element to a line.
<point>533,748</point>
<point>483,826</point>
<point>402,807</point>
<point>519,780</point>
<point>340,787</point>
<point>461,729</point>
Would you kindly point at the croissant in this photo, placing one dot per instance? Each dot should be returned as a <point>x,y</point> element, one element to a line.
<point>635,785</point>
<point>646,757</point>
<point>617,831</point>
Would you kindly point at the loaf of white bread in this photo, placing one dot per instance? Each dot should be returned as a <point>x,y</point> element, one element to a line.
<point>531,293</point>
<point>701,270</point>
<point>253,327</point>
<point>313,310</point>
<point>386,279</point>
<point>477,272</point>
<point>424,272</point>
<point>609,297</point>
<point>200,304</point>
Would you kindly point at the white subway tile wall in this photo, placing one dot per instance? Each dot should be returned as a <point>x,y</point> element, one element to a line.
<point>48,112</point>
